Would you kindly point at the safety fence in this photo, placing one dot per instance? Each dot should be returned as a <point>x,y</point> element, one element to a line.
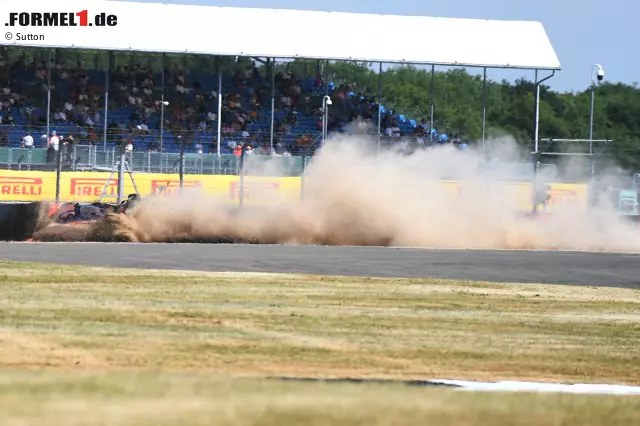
<point>91,158</point>
<point>86,158</point>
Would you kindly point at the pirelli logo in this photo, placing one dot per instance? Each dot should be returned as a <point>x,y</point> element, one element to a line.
<point>170,187</point>
<point>21,186</point>
<point>255,191</point>
<point>562,197</point>
<point>93,187</point>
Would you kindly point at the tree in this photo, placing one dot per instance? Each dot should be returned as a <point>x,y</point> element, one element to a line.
<point>510,107</point>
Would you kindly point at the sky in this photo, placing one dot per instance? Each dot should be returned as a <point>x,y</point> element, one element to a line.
<point>583,32</point>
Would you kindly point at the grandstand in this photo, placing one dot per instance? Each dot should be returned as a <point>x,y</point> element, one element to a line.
<point>64,82</point>
<point>192,88</point>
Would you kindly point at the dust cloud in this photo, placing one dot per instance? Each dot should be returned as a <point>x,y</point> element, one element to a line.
<point>355,196</point>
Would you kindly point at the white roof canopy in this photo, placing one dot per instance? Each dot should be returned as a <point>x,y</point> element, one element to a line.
<point>232,31</point>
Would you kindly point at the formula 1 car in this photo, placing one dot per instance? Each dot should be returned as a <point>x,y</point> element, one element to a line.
<point>85,213</point>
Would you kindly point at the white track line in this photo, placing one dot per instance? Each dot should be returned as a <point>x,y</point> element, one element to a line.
<point>452,249</point>
<point>513,386</point>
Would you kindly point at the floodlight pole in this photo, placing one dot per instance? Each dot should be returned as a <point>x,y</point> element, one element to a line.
<point>593,94</point>
<point>594,68</point>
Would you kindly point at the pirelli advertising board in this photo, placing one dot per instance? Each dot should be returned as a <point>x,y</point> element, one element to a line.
<point>89,186</point>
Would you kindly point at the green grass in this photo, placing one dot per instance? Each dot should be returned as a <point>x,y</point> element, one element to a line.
<point>159,347</point>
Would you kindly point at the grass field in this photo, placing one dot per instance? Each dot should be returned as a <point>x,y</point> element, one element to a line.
<point>191,348</point>
<point>197,400</point>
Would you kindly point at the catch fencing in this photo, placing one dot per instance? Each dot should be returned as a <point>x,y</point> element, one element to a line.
<point>79,158</point>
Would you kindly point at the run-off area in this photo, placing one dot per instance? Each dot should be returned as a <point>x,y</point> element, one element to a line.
<point>195,348</point>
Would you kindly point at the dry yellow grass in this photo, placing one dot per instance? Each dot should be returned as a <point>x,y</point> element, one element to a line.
<point>56,399</point>
<point>113,347</point>
<point>90,318</point>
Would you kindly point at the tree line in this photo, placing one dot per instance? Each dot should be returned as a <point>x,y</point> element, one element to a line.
<point>510,106</point>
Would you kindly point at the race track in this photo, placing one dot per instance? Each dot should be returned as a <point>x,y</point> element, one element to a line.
<point>575,268</point>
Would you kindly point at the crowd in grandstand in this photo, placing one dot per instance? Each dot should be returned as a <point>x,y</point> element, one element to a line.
<point>189,108</point>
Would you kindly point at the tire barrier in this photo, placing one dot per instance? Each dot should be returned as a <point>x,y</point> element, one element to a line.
<point>18,221</point>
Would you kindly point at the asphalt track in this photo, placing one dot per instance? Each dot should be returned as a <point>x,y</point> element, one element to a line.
<point>574,268</point>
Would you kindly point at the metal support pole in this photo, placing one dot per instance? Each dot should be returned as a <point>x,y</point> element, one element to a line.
<point>593,95</point>
<point>536,136</point>
<point>326,77</point>
<point>162,122</point>
<point>593,100</point>
<point>121,172</point>
<point>219,106</point>
<point>302,177</point>
<point>324,122</point>
<point>106,101</point>
<point>242,159</point>
<point>325,119</point>
<point>536,129</point>
<point>181,167</point>
<point>273,99</point>
<point>433,95</point>
<point>49,95</point>
<point>591,153</point>
<point>484,108</point>
<point>58,170</point>
<point>536,119</point>
<point>379,107</point>
<point>162,107</point>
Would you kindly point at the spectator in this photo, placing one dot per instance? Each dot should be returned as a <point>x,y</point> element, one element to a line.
<point>60,117</point>
<point>199,148</point>
<point>54,141</point>
<point>394,130</point>
<point>27,141</point>
<point>92,136</point>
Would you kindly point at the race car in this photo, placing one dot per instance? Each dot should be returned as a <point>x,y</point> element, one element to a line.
<point>84,213</point>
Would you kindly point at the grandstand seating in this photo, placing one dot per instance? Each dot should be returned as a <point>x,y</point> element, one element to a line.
<point>306,124</point>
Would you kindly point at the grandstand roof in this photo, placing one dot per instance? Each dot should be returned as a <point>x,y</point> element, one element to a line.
<point>276,33</point>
